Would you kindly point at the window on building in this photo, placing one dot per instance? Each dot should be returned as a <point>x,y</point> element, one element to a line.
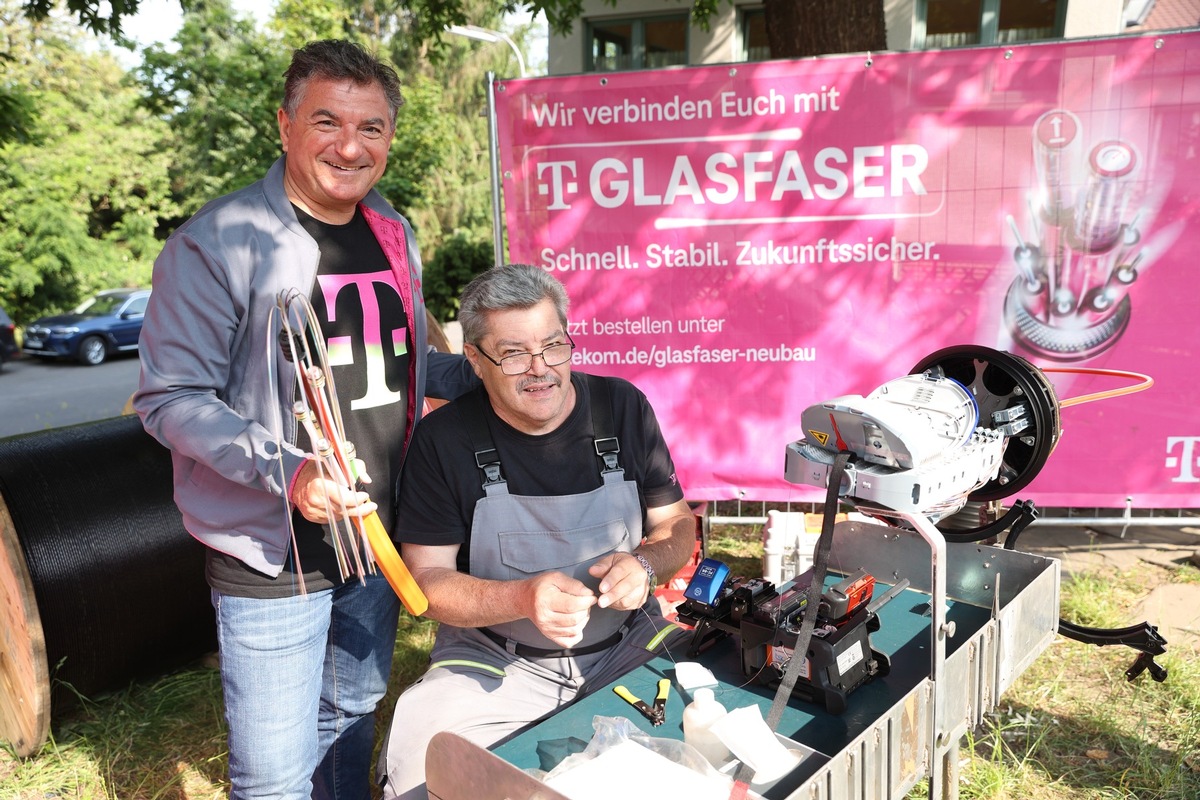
<point>754,35</point>
<point>957,23</point>
<point>1030,20</point>
<point>644,43</point>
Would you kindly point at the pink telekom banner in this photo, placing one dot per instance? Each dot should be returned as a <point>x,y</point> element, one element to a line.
<point>743,241</point>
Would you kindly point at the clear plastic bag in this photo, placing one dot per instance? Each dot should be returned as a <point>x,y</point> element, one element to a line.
<point>613,731</point>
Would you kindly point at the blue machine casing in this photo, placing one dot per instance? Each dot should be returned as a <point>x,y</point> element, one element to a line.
<point>707,581</point>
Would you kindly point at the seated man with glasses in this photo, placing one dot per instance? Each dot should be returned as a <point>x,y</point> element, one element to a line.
<point>535,513</point>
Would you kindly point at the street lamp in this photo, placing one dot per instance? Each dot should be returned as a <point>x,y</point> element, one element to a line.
<point>485,35</point>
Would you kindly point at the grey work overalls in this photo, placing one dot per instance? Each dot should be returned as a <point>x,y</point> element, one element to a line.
<point>484,685</point>
<point>515,537</point>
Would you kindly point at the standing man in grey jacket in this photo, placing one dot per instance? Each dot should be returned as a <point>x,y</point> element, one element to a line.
<point>301,671</point>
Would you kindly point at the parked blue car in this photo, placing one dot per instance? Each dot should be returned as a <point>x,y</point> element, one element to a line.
<point>110,322</point>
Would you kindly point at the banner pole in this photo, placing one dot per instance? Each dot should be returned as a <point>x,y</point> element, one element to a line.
<point>494,155</point>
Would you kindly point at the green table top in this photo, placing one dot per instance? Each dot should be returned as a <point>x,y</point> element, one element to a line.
<point>904,636</point>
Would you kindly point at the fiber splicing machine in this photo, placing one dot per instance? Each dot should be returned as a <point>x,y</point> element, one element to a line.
<point>767,622</point>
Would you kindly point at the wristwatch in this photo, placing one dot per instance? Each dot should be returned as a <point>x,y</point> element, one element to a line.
<point>649,572</point>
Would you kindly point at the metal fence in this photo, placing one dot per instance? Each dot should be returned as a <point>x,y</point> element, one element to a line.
<point>754,512</point>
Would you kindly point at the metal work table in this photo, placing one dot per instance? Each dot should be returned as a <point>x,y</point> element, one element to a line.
<point>1000,613</point>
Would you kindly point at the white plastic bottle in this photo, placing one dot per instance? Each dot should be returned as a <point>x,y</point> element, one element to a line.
<point>698,719</point>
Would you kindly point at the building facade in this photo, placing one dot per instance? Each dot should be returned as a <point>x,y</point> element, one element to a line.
<point>650,34</point>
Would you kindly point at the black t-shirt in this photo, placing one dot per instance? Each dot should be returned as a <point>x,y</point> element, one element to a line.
<point>369,342</point>
<point>442,483</point>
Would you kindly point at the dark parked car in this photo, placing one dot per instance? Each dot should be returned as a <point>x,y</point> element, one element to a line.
<point>8,338</point>
<point>109,322</point>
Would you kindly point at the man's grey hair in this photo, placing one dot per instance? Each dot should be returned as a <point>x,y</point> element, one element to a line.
<point>336,60</point>
<point>504,288</point>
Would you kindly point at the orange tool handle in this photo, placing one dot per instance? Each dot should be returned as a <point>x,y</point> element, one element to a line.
<point>392,566</point>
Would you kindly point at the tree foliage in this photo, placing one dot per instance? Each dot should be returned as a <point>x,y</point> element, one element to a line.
<point>91,13</point>
<point>427,17</point>
<point>82,194</point>
<point>218,87</point>
<point>454,207</point>
<point>460,258</point>
<point>16,110</point>
<point>220,83</point>
<point>127,169</point>
<point>795,28</point>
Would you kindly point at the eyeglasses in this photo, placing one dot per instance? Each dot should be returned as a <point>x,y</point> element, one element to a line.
<point>520,363</point>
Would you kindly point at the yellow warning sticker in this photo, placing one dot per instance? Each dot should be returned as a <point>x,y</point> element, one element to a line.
<point>820,436</point>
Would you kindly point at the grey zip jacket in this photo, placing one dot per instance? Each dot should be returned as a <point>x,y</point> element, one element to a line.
<point>206,390</point>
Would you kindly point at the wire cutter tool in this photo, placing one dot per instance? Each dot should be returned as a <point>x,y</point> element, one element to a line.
<point>658,714</point>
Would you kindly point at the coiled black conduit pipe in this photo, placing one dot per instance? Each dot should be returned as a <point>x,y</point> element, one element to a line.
<point>118,592</point>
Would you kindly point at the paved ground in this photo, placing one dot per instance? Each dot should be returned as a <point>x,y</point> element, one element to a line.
<point>1173,607</point>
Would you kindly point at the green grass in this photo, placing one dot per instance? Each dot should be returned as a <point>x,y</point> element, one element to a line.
<point>1071,728</point>
<point>163,739</point>
<point>1099,601</point>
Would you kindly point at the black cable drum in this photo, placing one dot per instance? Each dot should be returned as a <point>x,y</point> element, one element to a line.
<point>118,584</point>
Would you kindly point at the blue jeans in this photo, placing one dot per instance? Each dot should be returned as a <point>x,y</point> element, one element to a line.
<point>301,677</point>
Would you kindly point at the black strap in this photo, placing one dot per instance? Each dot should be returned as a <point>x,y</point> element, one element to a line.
<point>603,431</point>
<point>487,458</point>
<point>529,651</point>
<point>815,588</point>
